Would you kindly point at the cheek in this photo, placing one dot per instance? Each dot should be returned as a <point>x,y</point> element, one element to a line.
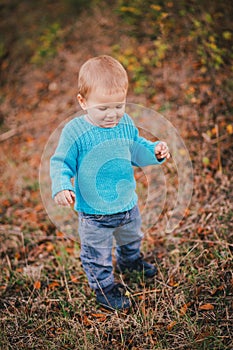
<point>93,112</point>
<point>98,115</point>
<point>120,113</point>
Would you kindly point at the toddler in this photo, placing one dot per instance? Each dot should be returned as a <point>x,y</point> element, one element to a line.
<point>99,150</point>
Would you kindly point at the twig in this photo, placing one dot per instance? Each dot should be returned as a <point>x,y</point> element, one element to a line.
<point>6,135</point>
<point>216,140</point>
<point>39,327</point>
<point>67,287</point>
<point>147,292</point>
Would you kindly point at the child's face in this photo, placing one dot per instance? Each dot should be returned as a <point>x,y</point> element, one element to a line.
<point>103,110</point>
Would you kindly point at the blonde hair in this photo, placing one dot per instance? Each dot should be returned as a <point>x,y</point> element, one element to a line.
<point>103,72</point>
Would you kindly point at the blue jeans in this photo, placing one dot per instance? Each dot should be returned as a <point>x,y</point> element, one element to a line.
<point>97,233</point>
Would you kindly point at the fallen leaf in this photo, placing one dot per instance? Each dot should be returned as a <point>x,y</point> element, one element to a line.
<point>70,250</point>
<point>215,290</point>
<point>86,321</point>
<point>184,308</point>
<point>172,282</point>
<point>99,317</point>
<point>171,325</point>
<point>53,285</point>
<point>150,332</point>
<point>205,161</point>
<point>230,129</point>
<point>206,307</point>
<point>37,284</point>
<point>49,247</point>
<point>73,279</point>
<point>60,234</point>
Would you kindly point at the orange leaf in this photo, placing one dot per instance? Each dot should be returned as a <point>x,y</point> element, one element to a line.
<point>172,282</point>
<point>86,321</point>
<point>70,250</point>
<point>73,279</point>
<point>184,308</point>
<point>230,129</point>
<point>49,247</point>
<point>150,332</point>
<point>37,284</point>
<point>171,325</point>
<point>60,234</point>
<point>53,285</point>
<point>100,317</point>
<point>215,290</point>
<point>206,307</point>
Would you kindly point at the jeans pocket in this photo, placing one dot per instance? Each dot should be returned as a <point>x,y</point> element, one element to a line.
<point>134,213</point>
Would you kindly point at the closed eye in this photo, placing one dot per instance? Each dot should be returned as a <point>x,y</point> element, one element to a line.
<point>104,108</point>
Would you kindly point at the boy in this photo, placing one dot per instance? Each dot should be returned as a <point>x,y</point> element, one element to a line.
<point>98,150</point>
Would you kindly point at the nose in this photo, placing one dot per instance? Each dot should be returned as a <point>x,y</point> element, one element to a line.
<point>112,113</point>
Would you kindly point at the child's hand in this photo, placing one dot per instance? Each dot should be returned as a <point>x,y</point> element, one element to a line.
<point>65,198</point>
<point>162,151</point>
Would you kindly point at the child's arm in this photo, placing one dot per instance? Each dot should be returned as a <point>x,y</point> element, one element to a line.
<point>63,165</point>
<point>145,152</point>
<point>65,198</point>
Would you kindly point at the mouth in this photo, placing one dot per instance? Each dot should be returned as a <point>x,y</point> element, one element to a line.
<point>110,124</point>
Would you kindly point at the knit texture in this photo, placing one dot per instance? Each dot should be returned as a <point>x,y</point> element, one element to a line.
<point>101,162</point>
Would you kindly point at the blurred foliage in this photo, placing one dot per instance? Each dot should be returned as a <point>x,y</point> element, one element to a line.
<point>205,27</point>
<point>146,18</point>
<point>158,29</point>
<point>33,30</point>
<point>48,44</point>
<point>139,60</point>
<point>213,48</point>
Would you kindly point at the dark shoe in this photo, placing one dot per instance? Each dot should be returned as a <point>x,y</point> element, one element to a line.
<point>139,265</point>
<point>113,298</point>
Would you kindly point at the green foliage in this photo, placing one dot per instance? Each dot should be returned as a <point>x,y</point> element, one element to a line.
<point>212,46</point>
<point>166,24</point>
<point>48,44</point>
<point>135,66</point>
<point>139,60</point>
<point>145,17</point>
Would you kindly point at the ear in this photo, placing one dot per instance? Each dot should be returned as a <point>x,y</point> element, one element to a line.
<point>82,101</point>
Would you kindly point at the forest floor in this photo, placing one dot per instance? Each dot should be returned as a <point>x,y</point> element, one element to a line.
<point>45,301</point>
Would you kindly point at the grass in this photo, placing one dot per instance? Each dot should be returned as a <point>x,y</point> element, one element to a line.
<point>46,302</point>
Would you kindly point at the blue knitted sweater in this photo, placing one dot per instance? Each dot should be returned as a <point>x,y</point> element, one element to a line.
<point>101,162</point>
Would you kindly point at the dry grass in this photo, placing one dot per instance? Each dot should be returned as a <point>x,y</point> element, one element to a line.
<point>46,302</point>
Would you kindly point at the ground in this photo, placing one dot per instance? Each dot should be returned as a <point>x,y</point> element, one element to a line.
<point>45,300</point>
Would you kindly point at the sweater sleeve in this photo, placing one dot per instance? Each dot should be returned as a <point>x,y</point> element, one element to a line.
<point>63,163</point>
<point>143,151</point>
